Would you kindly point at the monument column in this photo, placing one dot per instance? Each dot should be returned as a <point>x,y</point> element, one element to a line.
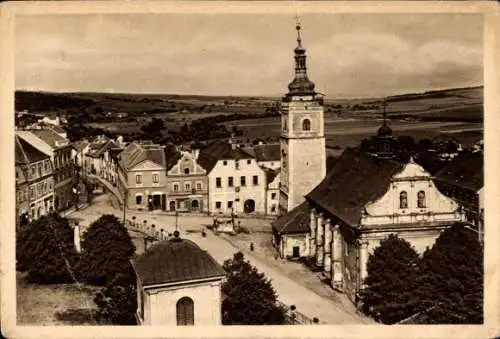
<point>319,240</point>
<point>327,247</point>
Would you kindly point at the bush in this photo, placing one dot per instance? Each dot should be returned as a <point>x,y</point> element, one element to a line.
<point>117,302</point>
<point>46,251</point>
<point>106,250</point>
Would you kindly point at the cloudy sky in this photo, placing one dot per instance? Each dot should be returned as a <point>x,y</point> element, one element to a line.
<point>349,55</point>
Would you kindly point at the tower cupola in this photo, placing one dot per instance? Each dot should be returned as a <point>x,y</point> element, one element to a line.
<point>300,85</point>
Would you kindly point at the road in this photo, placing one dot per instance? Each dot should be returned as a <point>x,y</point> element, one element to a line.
<point>289,291</point>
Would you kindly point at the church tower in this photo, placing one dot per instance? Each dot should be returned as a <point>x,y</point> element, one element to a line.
<point>303,158</point>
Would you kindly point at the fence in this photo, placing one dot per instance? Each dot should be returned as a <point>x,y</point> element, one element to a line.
<point>149,230</point>
<point>294,317</point>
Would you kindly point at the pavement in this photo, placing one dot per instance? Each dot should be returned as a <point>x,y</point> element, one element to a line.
<point>289,291</point>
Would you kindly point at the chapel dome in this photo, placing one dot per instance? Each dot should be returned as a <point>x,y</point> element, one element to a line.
<point>384,131</point>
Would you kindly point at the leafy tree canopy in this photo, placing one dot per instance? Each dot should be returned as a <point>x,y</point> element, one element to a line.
<point>249,297</point>
<point>392,270</point>
<point>106,250</point>
<point>451,278</point>
<point>45,249</point>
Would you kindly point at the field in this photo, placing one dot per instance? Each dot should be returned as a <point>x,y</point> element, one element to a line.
<point>62,304</point>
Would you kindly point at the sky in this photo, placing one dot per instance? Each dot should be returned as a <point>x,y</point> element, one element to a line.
<point>349,55</point>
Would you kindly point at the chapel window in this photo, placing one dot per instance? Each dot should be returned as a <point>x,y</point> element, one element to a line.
<point>306,125</point>
<point>185,311</point>
<point>421,199</point>
<point>403,200</point>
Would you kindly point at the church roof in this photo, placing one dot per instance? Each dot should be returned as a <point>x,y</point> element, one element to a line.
<point>175,260</point>
<point>267,152</point>
<point>465,170</point>
<point>355,180</point>
<point>295,221</point>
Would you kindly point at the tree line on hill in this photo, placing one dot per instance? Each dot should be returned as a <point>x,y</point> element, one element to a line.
<point>46,253</point>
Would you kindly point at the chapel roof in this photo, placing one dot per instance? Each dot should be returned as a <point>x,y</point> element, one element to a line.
<point>295,221</point>
<point>175,260</point>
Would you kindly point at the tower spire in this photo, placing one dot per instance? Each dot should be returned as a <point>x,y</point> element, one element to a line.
<point>301,83</point>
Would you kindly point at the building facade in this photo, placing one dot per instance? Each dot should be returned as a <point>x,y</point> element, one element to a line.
<point>303,154</point>
<point>34,182</point>
<point>236,183</point>
<point>187,182</point>
<point>141,176</point>
<point>59,149</point>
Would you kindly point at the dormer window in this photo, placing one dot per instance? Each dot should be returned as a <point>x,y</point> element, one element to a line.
<point>421,199</point>
<point>306,125</point>
<point>403,200</point>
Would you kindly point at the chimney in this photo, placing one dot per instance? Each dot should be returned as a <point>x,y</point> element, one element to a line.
<point>76,236</point>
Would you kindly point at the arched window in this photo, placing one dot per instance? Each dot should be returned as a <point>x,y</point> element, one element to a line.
<point>403,200</point>
<point>421,199</point>
<point>306,125</point>
<point>186,170</point>
<point>185,311</point>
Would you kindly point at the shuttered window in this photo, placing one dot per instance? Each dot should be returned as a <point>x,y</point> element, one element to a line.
<point>185,312</point>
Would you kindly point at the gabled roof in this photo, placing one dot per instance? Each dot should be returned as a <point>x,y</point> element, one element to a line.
<point>98,149</point>
<point>295,221</point>
<point>50,137</point>
<point>223,150</point>
<point>355,180</point>
<point>175,260</point>
<point>80,145</point>
<point>134,154</point>
<point>268,152</point>
<point>26,154</point>
<point>465,170</point>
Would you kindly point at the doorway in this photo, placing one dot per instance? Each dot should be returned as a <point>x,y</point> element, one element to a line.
<point>194,205</point>
<point>296,251</point>
<point>156,201</point>
<point>249,206</point>
<point>172,206</point>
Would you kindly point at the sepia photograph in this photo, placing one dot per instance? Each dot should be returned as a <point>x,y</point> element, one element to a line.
<point>221,168</point>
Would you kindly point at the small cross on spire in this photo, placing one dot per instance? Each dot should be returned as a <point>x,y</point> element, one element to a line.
<point>297,27</point>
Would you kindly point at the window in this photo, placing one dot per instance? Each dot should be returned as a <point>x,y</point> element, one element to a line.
<point>198,186</point>
<point>224,162</point>
<point>46,165</point>
<point>273,196</point>
<point>187,186</point>
<point>156,178</point>
<point>138,179</point>
<point>255,180</point>
<point>33,170</point>
<point>229,204</point>
<point>176,187</point>
<point>243,181</point>
<point>40,169</point>
<point>273,208</point>
<point>403,200</point>
<point>185,311</point>
<point>218,182</point>
<point>421,199</point>
<point>230,182</point>
<point>249,161</point>
<point>306,125</point>
<point>186,170</point>
<point>138,199</point>
<point>218,205</point>
<point>237,164</point>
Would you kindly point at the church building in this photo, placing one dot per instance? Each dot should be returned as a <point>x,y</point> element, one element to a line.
<point>338,219</point>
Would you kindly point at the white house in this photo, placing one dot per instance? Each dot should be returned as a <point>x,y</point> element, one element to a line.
<point>178,284</point>
<point>237,184</point>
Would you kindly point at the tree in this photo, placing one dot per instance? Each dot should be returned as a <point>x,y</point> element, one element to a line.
<point>117,301</point>
<point>46,251</point>
<point>106,250</point>
<point>389,292</point>
<point>451,278</point>
<point>250,299</point>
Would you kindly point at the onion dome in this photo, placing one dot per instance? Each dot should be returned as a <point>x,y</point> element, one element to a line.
<point>384,131</point>
<point>300,84</point>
